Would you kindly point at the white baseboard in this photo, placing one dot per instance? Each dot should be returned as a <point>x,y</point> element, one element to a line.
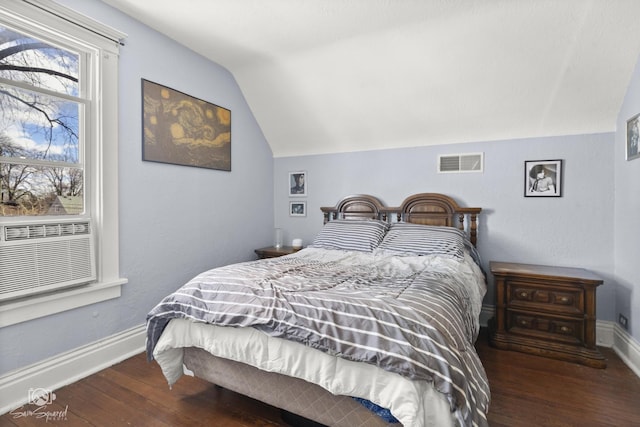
<point>605,331</point>
<point>627,348</point>
<point>610,334</point>
<point>66,368</point>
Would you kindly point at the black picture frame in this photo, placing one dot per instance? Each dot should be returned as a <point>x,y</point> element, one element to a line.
<point>543,178</point>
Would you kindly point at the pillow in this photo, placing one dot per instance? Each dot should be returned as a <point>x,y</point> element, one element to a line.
<point>351,235</point>
<point>417,239</point>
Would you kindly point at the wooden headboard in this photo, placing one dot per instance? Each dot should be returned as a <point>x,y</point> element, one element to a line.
<point>359,206</point>
<point>440,210</point>
<point>423,208</point>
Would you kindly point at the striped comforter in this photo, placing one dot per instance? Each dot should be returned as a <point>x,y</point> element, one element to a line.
<point>415,316</point>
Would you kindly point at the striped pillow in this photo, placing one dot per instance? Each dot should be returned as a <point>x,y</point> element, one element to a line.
<point>351,235</point>
<point>416,239</point>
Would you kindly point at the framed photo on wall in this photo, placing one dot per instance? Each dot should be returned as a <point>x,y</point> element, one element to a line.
<point>543,178</point>
<point>297,208</point>
<point>633,134</point>
<point>297,183</point>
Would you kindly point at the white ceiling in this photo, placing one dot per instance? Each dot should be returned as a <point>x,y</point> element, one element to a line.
<point>326,76</point>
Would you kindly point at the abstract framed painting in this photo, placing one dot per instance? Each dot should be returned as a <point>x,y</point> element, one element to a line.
<point>183,130</point>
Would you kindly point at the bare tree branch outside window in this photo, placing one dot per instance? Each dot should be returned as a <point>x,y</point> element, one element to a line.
<point>40,110</point>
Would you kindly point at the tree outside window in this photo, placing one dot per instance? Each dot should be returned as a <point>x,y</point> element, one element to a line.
<point>41,111</point>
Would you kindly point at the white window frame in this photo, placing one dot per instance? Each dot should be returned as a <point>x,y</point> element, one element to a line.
<point>102,191</point>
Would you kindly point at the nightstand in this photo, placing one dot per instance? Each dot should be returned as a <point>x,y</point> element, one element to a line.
<point>273,252</point>
<point>545,310</point>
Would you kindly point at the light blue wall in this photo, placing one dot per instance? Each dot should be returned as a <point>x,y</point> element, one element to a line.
<point>627,214</point>
<point>175,221</point>
<point>574,230</point>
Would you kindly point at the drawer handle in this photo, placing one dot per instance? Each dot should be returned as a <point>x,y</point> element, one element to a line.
<point>523,294</point>
<point>564,299</point>
<point>564,329</point>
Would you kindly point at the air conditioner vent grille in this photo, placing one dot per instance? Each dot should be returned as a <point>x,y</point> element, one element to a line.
<point>456,163</point>
<point>38,258</point>
<point>38,231</point>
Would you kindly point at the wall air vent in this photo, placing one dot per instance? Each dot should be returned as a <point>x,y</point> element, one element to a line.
<point>457,163</point>
<point>37,258</point>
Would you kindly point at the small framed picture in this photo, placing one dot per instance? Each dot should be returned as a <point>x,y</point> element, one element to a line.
<point>297,208</point>
<point>633,134</point>
<point>297,183</point>
<point>543,178</point>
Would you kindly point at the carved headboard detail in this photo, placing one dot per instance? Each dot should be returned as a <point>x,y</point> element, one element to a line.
<point>359,206</point>
<point>423,208</point>
<point>439,210</point>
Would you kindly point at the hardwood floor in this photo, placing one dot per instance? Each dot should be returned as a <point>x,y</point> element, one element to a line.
<point>526,391</point>
<point>529,390</point>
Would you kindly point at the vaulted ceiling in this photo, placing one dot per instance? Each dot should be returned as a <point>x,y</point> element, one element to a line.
<point>326,76</point>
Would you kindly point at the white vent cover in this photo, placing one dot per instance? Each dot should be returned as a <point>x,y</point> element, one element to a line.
<point>469,162</point>
<point>36,258</point>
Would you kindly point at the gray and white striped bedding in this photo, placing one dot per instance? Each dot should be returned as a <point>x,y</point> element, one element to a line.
<point>350,235</point>
<point>417,239</point>
<point>415,316</point>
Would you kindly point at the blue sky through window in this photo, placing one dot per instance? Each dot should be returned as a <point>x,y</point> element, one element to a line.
<point>37,125</point>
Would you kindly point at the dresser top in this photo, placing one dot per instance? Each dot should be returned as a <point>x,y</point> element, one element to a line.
<point>538,271</point>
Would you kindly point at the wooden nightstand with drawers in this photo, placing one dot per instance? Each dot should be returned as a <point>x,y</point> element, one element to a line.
<point>545,310</point>
<point>273,252</point>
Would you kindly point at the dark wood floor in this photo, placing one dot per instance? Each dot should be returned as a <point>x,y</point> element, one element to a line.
<point>526,391</point>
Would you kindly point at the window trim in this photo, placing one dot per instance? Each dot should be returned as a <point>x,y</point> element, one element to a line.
<point>103,158</point>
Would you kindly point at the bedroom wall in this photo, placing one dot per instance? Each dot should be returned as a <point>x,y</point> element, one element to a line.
<point>175,221</point>
<point>627,206</point>
<point>573,230</point>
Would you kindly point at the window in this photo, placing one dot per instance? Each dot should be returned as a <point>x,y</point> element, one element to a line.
<point>42,103</point>
<point>58,152</point>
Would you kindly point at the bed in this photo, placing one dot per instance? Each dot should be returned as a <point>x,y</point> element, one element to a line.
<point>372,324</point>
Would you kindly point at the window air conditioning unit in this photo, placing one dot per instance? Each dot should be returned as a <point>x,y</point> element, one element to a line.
<point>38,258</point>
<point>456,163</point>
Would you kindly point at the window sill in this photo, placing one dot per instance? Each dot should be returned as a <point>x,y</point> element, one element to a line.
<point>12,312</point>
